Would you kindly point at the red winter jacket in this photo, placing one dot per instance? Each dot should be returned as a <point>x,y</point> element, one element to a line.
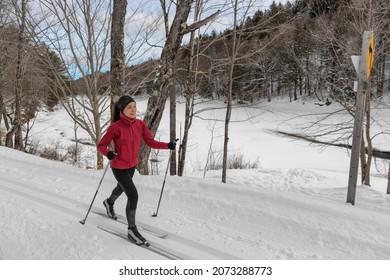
<point>127,134</point>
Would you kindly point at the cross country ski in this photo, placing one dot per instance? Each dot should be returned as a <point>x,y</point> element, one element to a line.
<point>152,232</point>
<point>147,246</point>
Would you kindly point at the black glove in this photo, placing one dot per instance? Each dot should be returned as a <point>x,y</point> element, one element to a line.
<point>111,155</point>
<point>171,145</point>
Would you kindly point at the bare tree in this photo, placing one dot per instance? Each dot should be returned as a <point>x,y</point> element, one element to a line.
<point>234,43</point>
<point>388,181</point>
<point>22,76</point>
<point>189,90</point>
<point>4,62</point>
<point>163,80</point>
<point>232,61</point>
<point>336,74</point>
<point>14,138</point>
<point>79,33</point>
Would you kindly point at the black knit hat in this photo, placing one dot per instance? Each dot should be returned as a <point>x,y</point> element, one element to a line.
<point>123,101</point>
<point>120,105</point>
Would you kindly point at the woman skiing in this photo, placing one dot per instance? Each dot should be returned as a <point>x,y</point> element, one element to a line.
<point>126,132</point>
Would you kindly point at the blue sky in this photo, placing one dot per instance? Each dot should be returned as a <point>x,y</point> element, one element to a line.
<point>145,28</point>
<point>151,13</point>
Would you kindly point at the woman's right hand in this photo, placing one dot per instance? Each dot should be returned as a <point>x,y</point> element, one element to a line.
<point>111,155</point>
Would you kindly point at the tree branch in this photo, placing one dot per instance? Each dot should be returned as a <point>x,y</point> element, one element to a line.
<point>198,24</point>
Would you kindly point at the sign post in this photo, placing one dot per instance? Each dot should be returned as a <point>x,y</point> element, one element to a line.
<point>364,71</point>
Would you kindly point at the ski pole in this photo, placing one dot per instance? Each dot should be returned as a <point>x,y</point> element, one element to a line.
<point>90,206</point>
<point>165,177</point>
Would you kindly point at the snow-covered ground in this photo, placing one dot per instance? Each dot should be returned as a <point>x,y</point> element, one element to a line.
<point>292,207</point>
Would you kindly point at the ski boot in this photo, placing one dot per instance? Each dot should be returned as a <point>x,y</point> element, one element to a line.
<point>110,209</point>
<point>135,237</point>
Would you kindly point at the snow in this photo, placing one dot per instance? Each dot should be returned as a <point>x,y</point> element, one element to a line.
<point>292,207</point>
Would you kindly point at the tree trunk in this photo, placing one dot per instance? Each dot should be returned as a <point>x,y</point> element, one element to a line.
<point>368,139</point>
<point>295,89</point>
<point>15,135</point>
<point>1,98</point>
<point>229,96</point>
<point>388,180</point>
<point>363,163</point>
<point>158,98</point>
<point>117,50</point>
<point>187,125</point>
<point>226,135</point>
<point>2,87</point>
<point>172,128</point>
<point>117,60</point>
<point>189,93</point>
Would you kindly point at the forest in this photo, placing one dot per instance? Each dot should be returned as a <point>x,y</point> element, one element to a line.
<point>83,54</point>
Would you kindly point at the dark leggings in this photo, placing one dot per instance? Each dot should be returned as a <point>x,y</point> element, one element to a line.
<point>126,185</point>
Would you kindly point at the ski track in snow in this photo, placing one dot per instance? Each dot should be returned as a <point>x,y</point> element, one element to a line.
<point>268,232</point>
<point>182,244</point>
<point>274,237</point>
<point>291,207</point>
<point>48,199</point>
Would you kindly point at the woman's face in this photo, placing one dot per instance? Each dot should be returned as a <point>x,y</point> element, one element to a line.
<point>130,110</point>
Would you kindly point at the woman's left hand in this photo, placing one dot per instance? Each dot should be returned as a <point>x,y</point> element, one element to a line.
<point>171,145</point>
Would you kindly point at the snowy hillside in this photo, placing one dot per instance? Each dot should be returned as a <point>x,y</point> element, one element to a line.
<point>292,207</point>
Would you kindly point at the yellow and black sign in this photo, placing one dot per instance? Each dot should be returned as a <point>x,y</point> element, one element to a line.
<point>370,56</point>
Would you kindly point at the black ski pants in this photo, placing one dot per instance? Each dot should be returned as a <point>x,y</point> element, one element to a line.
<point>126,185</point>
